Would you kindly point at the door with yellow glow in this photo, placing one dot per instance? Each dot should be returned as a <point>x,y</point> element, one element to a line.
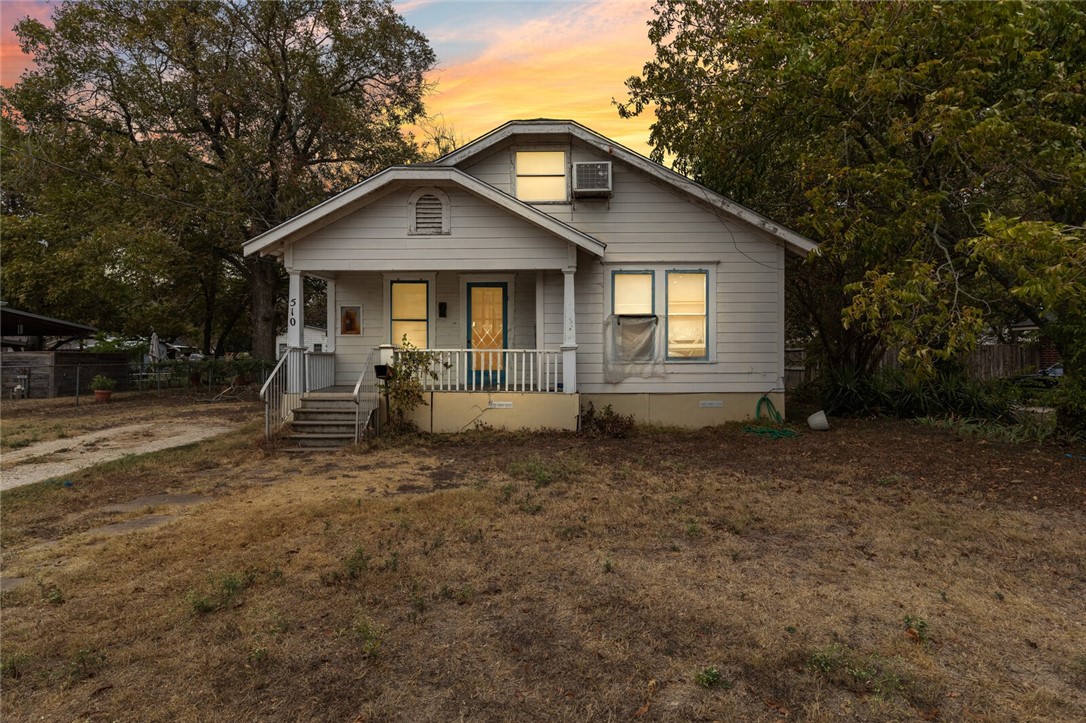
<point>488,303</point>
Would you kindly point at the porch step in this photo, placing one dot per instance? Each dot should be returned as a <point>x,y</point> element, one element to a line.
<point>323,426</point>
<point>325,416</point>
<point>321,440</point>
<point>324,421</point>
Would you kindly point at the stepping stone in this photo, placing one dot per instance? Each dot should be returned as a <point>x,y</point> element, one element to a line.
<point>133,525</point>
<point>10,583</point>
<point>156,501</point>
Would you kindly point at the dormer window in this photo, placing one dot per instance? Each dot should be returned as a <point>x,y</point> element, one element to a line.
<point>428,211</point>
<point>541,176</point>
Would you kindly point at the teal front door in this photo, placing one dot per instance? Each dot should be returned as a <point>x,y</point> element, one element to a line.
<point>488,337</point>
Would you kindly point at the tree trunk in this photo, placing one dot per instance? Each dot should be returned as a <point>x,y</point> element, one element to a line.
<point>263,279</point>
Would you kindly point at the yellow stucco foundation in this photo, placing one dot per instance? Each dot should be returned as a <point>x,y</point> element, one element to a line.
<point>449,412</point>
<point>685,410</point>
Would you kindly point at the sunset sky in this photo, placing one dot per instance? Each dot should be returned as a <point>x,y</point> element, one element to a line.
<point>497,60</point>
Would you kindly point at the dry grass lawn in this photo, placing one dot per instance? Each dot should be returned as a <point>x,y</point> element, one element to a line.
<point>881,571</point>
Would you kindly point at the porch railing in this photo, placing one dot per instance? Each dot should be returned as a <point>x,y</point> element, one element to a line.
<point>282,392</point>
<point>297,372</point>
<point>320,370</point>
<point>366,396</point>
<point>507,370</point>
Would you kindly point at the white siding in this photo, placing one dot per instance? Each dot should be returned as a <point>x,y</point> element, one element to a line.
<point>646,222</point>
<point>367,289</point>
<point>375,237</point>
<point>312,336</point>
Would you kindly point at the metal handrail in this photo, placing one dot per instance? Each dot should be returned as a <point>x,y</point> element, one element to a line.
<point>370,390</point>
<point>277,386</point>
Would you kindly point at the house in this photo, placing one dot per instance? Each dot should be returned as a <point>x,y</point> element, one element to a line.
<point>314,339</point>
<point>547,267</point>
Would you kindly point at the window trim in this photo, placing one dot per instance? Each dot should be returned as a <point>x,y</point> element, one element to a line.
<point>667,318</point>
<point>429,280</point>
<point>412,217</point>
<point>565,173</point>
<point>707,267</point>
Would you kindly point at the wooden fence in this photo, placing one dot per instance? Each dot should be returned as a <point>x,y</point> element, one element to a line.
<point>990,361</point>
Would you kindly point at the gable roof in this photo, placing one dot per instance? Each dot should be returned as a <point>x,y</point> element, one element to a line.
<point>343,203</point>
<point>795,242</point>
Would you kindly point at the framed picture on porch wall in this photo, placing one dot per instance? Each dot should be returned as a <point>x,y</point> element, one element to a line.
<point>350,320</point>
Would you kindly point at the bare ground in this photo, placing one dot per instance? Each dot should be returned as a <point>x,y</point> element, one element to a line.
<point>881,571</point>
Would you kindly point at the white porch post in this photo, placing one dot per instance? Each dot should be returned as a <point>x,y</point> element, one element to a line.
<point>296,331</point>
<point>540,330</point>
<point>332,323</point>
<point>569,333</point>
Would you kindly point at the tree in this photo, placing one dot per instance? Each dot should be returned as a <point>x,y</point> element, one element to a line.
<point>912,140</point>
<point>239,114</point>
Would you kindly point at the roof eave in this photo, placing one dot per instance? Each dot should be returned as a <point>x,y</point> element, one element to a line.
<point>794,242</point>
<point>273,241</point>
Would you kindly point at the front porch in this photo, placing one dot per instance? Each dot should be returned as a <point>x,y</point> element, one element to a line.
<point>514,389</point>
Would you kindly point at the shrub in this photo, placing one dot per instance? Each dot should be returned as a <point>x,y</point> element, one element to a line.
<point>405,383</point>
<point>1070,402</point>
<point>893,392</point>
<point>606,423</point>
<point>102,383</point>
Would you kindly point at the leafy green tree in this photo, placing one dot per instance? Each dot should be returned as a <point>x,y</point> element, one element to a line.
<point>926,146</point>
<point>234,115</point>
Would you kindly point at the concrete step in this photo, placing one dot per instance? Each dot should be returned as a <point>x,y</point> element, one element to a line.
<point>322,427</point>
<point>325,415</point>
<point>333,404</point>
<point>328,397</point>
<point>322,440</point>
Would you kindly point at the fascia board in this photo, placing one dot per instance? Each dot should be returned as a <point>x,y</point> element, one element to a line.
<point>298,226</point>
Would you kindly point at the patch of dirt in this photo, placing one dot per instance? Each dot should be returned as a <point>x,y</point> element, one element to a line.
<point>137,523</point>
<point>883,453</point>
<point>156,501</point>
<point>61,457</point>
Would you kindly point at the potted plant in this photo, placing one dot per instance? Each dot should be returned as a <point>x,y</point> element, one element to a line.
<point>103,387</point>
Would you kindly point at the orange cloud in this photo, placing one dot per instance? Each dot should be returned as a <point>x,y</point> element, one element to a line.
<point>569,64</point>
<point>12,60</point>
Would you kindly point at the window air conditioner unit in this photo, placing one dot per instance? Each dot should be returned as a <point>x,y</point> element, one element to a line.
<point>592,179</point>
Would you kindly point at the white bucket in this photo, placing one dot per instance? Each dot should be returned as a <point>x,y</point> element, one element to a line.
<point>818,422</point>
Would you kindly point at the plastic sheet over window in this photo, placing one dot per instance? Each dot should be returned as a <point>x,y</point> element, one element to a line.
<point>631,348</point>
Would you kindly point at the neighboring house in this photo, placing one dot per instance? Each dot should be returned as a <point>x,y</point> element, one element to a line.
<point>315,339</point>
<point>550,267</point>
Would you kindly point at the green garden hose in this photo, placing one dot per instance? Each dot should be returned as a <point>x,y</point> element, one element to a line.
<point>772,415</point>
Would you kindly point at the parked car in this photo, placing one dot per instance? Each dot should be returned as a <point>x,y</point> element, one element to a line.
<point>1043,379</point>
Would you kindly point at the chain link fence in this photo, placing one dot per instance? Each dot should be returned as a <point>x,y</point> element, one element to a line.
<point>47,381</point>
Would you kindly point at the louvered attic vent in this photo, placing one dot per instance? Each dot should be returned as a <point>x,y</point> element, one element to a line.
<point>592,179</point>
<point>429,215</point>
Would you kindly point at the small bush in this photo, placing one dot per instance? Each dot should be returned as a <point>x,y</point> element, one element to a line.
<point>711,678</point>
<point>223,593</point>
<point>606,423</point>
<point>860,674</point>
<point>14,665</point>
<point>543,472</point>
<point>1069,398</point>
<point>102,383</point>
<point>357,563</point>
<point>892,392</point>
<point>368,633</point>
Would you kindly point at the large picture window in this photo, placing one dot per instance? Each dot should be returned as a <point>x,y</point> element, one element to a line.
<point>410,303</point>
<point>687,314</point>
<point>541,176</point>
